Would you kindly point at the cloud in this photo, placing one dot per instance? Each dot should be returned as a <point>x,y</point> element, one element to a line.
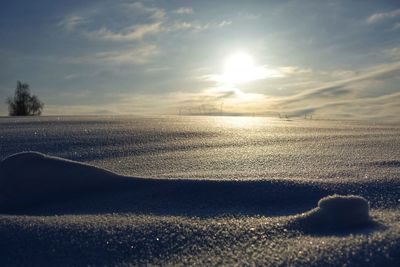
<point>256,73</point>
<point>356,97</point>
<point>152,12</point>
<point>142,21</point>
<point>382,16</point>
<point>383,108</point>
<point>151,19</point>
<point>72,76</point>
<point>139,32</point>
<point>196,26</point>
<point>70,22</point>
<point>132,33</point>
<point>396,26</point>
<point>393,53</point>
<point>136,55</point>
<point>183,10</point>
<point>181,25</point>
<point>383,71</point>
<point>157,69</point>
<point>224,23</point>
<point>293,70</point>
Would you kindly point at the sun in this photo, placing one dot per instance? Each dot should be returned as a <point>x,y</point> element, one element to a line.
<point>240,68</point>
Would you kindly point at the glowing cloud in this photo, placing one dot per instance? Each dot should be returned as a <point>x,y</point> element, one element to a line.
<point>240,68</point>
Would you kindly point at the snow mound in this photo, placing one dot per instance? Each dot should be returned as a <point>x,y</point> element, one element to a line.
<point>29,178</point>
<point>335,212</point>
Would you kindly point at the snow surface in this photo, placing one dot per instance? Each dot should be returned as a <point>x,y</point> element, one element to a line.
<point>245,191</point>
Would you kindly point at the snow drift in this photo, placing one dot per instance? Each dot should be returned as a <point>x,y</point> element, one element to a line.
<point>29,178</point>
<point>32,179</point>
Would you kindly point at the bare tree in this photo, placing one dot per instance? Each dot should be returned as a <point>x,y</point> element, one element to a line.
<point>23,103</point>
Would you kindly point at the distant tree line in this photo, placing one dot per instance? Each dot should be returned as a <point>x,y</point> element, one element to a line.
<point>23,103</point>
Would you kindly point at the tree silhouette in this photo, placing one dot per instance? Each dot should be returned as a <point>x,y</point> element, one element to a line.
<point>23,103</point>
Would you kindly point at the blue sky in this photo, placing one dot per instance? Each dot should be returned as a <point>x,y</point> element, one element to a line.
<point>336,59</point>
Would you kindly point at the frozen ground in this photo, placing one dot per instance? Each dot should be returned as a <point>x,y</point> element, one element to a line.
<point>252,179</point>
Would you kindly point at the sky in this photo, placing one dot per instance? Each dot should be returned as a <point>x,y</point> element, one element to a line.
<point>332,59</point>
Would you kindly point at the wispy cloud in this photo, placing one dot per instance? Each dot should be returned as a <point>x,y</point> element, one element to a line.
<point>355,96</point>
<point>183,10</point>
<point>151,19</point>
<point>382,16</point>
<point>258,73</point>
<point>196,26</point>
<point>132,33</point>
<point>386,70</point>
<point>153,12</point>
<point>70,22</point>
<point>154,20</point>
<point>393,53</point>
<point>293,70</point>
<point>396,26</point>
<point>136,55</point>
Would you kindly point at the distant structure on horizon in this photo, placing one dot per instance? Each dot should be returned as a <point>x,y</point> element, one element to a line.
<point>201,110</point>
<point>308,116</point>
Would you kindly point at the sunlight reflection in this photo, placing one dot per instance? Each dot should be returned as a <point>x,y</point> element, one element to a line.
<point>240,121</point>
